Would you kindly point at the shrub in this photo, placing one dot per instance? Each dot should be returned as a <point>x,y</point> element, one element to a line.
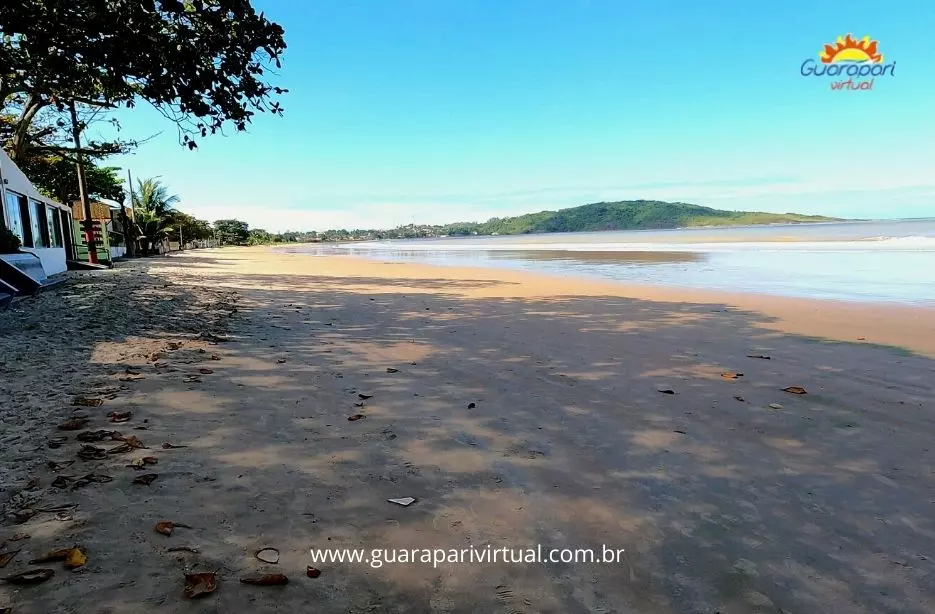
<point>9,242</point>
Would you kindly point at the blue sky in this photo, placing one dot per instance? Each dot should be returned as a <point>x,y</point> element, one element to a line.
<point>406,111</point>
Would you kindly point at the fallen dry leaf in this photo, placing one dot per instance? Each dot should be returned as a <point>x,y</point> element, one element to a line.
<point>741,399</point>
<point>164,527</point>
<point>21,516</point>
<point>62,481</point>
<point>355,417</point>
<point>472,405</point>
<point>200,584</point>
<point>56,442</point>
<point>312,572</point>
<point>92,436</point>
<point>666,390</point>
<point>364,396</point>
<point>6,557</point>
<point>268,555</point>
<point>86,402</point>
<point>19,537</point>
<point>121,449</point>
<point>404,501</point>
<point>392,370</point>
<point>191,379</point>
<point>775,406</point>
<point>183,549</point>
<point>75,559</point>
<point>795,390</point>
<point>120,416</point>
<point>134,442</point>
<point>731,375</point>
<point>170,446</point>
<point>33,576</point>
<point>762,356</point>
<point>215,357</point>
<point>146,479</point>
<point>205,371</point>
<point>51,557</point>
<point>58,466</point>
<point>73,424</point>
<point>270,579</point>
<point>92,453</point>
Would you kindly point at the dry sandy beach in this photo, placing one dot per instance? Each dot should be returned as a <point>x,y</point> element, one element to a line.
<point>518,410</point>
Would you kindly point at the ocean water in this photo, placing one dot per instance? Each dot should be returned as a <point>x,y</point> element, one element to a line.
<point>885,261</point>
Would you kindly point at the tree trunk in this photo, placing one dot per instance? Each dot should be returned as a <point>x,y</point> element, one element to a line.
<point>20,141</point>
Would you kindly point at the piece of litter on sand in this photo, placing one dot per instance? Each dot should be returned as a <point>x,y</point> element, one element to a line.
<point>392,370</point>
<point>364,396</point>
<point>267,555</point>
<point>666,390</point>
<point>171,446</point>
<point>762,356</point>
<point>312,572</point>
<point>740,398</point>
<point>731,375</point>
<point>183,549</point>
<point>775,406</point>
<point>355,417</point>
<point>404,501</point>
<point>165,527</point>
<point>795,390</point>
<point>472,405</point>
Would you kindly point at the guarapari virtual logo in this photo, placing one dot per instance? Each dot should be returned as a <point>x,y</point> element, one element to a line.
<point>849,64</point>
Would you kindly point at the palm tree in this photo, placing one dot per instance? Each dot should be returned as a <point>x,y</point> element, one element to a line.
<point>153,210</point>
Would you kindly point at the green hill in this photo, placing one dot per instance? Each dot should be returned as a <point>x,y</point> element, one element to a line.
<point>622,215</point>
<point>629,215</point>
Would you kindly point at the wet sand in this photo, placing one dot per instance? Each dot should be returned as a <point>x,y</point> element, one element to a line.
<point>729,496</point>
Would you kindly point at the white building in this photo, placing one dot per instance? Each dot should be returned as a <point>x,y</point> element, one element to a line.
<point>43,226</point>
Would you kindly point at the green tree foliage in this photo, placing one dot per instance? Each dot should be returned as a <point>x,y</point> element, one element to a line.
<point>258,236</point>
<point>202,63</point>
<point>232,232</point>
<point>153,209</point>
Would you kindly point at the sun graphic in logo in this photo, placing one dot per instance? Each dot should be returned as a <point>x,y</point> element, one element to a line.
<point>849,49</point>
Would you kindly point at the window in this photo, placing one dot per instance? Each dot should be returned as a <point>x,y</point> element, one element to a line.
<point>14,214</point>
<point>53,217</point>
<point>38,224</point>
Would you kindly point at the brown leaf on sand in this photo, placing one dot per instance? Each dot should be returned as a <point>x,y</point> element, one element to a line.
<point>392,370</point>
<point>270,579</point>
<point>171,446</point>
<point>312,572</point>
<point>280,361</point>
<point>795,390</point>
<point>146,479</point>
<point>120,416</point>
<point>6,557</point>
<point>141,463</point>
<point>73,424</point>
<point>154,356</point>
<point>51,557</point>
<point>33,576</point>
<point>134,442</point>
<point>200,584</point>
<point>165,527</point>
<point>731,375</point>
<point>761,356</point>
<point>355,417</point>
<point>205,371</point>
<point>364,396</point>
<point>740,398</point>
<point>666,390</point>
<point>92,453</point>
<point>86,402</point>
<point>121,449</point>
<point>75,559</point>
<point>19,537</point>
<point>215,357</point>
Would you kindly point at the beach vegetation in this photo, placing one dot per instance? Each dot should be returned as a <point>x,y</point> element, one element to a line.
<point>231,232</point>
<point>9,242</point>
<point>153,210</point>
